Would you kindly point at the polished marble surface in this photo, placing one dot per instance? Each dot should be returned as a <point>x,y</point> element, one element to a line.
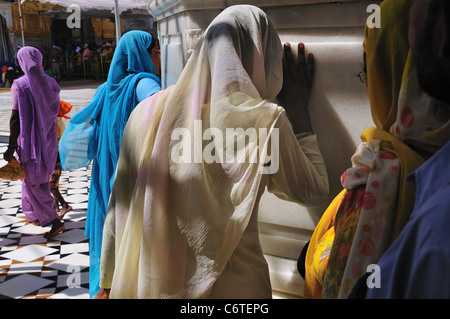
<point>32,266</point>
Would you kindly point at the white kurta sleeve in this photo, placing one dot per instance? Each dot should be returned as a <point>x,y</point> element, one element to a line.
<point>302,175</point>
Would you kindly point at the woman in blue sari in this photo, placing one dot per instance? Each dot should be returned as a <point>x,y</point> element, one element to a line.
<point>95,133</point>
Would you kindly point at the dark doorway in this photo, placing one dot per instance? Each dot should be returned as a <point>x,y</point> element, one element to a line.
<point>61,34</point>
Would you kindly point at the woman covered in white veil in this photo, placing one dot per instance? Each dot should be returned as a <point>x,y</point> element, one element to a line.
<point>182,223</point>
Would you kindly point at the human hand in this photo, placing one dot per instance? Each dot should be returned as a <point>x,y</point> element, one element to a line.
<point>9,154</point>
<point>297,85</point>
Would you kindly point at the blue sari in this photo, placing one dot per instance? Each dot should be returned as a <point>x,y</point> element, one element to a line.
<point>95,133</point>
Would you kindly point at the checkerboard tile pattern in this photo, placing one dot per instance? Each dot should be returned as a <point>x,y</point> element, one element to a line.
<point>32,266</point>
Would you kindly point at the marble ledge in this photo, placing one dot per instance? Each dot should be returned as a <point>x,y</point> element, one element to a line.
<point>313,13</point>
<point>159,6</point>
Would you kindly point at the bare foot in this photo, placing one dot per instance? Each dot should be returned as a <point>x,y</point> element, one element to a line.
<point>57,227</point>
<point>103,294</point>
<point>65,210</point>
<point>36,222</point>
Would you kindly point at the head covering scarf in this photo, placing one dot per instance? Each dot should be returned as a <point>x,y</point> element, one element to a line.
<point>174,225</point>
<point>38,105</point>
<point>387,52</point>
<point>64,108</point>
<point>95,133</point>
<point>377,200</point>
<point>116,97</point>
<point>397,102</point>
<point>422,122</point>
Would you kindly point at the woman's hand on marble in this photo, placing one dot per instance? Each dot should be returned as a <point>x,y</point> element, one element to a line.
<point>297,84</point>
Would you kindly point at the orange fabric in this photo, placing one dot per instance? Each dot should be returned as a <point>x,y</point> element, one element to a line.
<point>64,108</point>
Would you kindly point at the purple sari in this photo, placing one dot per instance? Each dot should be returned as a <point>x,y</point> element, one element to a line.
<point>37,97</point>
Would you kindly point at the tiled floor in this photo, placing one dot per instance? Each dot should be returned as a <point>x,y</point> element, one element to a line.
<point>32,266</point>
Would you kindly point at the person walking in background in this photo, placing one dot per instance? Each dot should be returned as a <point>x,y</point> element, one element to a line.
<point>35,99</point>
<point>56,55</point>
<point>64,108</point>
<point>95,133</point>
<point>54,188</point>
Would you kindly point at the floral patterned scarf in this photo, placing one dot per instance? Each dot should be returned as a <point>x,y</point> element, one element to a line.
<point>375,205</point>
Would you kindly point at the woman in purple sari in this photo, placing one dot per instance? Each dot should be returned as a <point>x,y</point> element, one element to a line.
<point>33,125</point>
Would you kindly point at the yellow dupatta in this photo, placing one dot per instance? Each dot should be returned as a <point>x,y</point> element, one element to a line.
<point>408,121</point>
<point>386,55</point>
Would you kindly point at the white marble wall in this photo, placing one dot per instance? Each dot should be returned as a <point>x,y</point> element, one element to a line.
<point>5,11</point>
<point>333,31</point>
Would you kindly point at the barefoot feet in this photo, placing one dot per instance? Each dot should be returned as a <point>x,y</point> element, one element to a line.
<point>65,210</point>
<point>57,227</point>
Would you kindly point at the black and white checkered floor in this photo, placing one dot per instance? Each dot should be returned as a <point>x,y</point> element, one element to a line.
<point>32,266</point>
